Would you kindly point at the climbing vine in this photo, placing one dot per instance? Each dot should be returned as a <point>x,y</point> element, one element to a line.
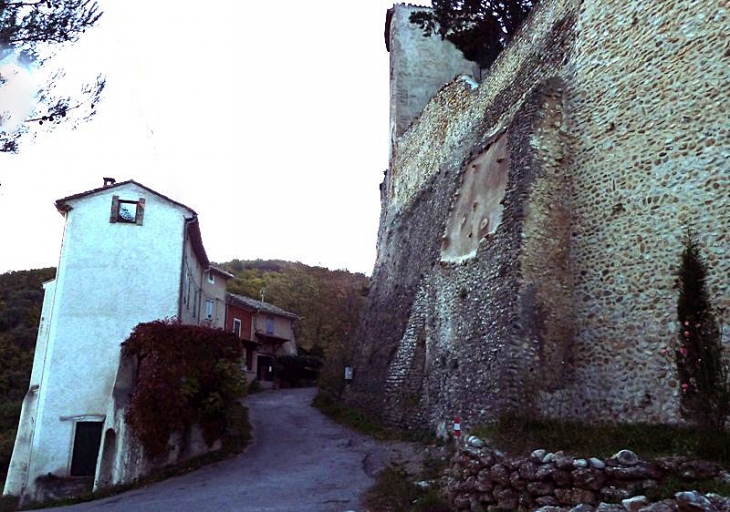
<point>186,375</point>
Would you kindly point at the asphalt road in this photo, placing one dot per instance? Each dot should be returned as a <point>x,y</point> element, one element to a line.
<point>299,461</point>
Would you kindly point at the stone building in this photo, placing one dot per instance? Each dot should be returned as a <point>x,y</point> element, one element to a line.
<point>531,227</point>
<point>129,255</point>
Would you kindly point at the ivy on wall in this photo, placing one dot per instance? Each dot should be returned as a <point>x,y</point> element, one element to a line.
<point>186,375</point>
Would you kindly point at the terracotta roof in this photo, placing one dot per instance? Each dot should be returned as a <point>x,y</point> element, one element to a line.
<point>221,272</point>
<point>62,206</point>
<point>258,306</point>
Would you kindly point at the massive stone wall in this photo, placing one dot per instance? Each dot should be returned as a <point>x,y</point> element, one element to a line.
<point>614,122</point>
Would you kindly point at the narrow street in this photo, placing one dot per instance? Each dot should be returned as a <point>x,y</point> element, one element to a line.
<point>299,461</point>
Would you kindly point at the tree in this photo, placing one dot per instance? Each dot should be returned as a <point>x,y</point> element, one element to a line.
<point>479,28</point>
<point>701,367</point>
<point>31,31</point>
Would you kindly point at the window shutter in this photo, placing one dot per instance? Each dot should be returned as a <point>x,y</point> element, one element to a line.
<point>140,211</point>
<point>115,209</point>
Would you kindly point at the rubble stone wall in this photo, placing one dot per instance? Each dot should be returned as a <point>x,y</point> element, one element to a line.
<point>616,124</point>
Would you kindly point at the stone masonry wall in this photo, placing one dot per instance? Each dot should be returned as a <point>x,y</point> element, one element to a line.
<point>481,478</point>
<point>618,140</point>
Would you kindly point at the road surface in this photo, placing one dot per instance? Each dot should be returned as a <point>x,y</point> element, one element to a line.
<point>299,461</point>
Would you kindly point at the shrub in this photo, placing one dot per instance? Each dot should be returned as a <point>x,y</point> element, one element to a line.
<point>186,375</point>
<point>701,367</point>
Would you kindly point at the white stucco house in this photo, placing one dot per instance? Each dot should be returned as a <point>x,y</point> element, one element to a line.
<point>129,255</point>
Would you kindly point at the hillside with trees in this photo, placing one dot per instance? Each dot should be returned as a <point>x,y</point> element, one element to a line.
<point>329,302</point>
<point>21,299</point>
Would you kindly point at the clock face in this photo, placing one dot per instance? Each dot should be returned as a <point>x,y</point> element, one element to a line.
<point>128,212</point>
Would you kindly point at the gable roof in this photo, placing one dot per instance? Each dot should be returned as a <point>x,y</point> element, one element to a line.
<point>259,307</point>
<point>192,224</point>
<point>62,206</point>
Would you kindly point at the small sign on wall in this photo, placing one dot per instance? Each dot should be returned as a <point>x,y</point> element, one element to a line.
<point>348,373</point>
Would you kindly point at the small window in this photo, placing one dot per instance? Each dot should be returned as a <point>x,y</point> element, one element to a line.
<point>209,305</point>
<point>127,211</point>
<point>237,327</point>
<point>270,325</point>
<point>211,277</point>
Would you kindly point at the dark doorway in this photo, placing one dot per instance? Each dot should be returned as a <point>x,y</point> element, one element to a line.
<point>86,448</point>
<point>266,368</point>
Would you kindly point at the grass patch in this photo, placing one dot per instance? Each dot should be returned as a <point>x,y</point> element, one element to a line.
<point>395,492</point>
<point>521,435</point>
<point>366,424</point>
<point>233,442</point>
<point>350,417</point>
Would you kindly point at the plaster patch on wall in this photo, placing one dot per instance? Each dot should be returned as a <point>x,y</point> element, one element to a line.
<point>477,210</point>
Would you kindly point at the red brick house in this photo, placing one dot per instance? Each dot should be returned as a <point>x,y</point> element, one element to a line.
<point>266,331</point>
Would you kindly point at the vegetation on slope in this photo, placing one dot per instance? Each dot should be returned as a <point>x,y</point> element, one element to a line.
<point>21,299</point>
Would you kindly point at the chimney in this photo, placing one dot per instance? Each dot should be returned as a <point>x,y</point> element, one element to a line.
<point>109,181</point>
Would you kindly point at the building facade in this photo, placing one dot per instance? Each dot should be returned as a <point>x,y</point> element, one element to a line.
<point>129,255</point>
<point>266,331</point>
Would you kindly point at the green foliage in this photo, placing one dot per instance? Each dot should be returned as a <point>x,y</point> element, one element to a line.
<point>394,491</point>
<point>34,30</point>
<point>349,416</point>
<point>186,375</point>
<point>703,371</point>
<point>521,435</point>
<point>21,300</point>
<point>479,28</point>
<point>298,370</point>
<point>330,302</point>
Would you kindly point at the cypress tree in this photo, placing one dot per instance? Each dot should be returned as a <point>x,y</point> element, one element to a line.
<point>701,368</point>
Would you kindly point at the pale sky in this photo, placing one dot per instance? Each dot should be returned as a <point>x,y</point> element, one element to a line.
<point>270,119</point>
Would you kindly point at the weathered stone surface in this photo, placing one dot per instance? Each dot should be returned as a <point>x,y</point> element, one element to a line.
<point>596,463</point>
<point>692,501</point>
<point>660,506</point>
<point>635,503</point>
<point>575,496</point>
<point>499,473</point>
<point>626,458</point>
<point>462,502</point>
<point>538,455</point>
<point>516,482</point>
<point>563,461</point>
<point>634,472</point>
<point>613,494</point>
<point>541,488</point>
<point>475,442</point>
<point>592,479</point>
<point>610,507</point>
<point>528,471</point>
<point>547,502</point>
<point>507,499</point>
<point>562,478</point>
<point>583,507</point>
<point>698,469</point>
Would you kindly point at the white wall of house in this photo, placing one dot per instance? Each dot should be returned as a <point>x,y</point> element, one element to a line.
<point>191,300</point>
<point>110,277</point>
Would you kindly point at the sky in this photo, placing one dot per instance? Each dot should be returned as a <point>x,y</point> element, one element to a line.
<point>269,119</point>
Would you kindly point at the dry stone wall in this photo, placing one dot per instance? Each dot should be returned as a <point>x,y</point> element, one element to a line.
<point>481,478</point>
<point>616,127</point>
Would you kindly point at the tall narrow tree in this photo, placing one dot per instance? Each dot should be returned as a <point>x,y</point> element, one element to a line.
<point>701,368</point>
